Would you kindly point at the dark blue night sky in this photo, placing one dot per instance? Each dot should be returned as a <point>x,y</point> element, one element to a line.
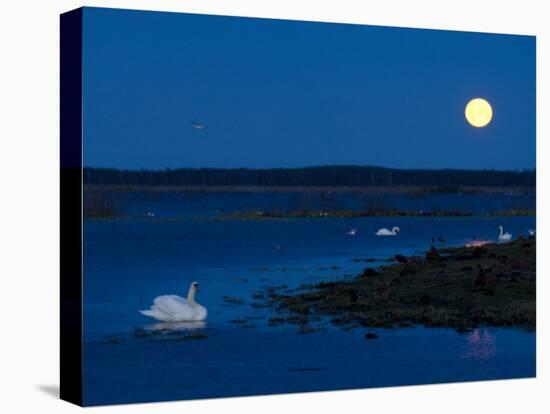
<point>278,93</point>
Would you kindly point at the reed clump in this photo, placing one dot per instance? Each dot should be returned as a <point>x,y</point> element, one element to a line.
<point>99,204</point>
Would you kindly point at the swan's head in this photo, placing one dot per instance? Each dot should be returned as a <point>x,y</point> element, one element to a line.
<point>500,228</point>
<point>194,287</point>
<point>396,229</point>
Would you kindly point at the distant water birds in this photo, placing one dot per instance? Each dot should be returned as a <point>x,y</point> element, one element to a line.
<point>172,308</point>
<point>503,237</point>
<point>197,125</point>
<point>386,232</point>
<point>475,242</point>
<point>531,232</point>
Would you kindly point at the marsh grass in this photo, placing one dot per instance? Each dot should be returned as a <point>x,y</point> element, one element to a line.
<point>369,212</point>
<point>461,288</point>
<point>99,204</point>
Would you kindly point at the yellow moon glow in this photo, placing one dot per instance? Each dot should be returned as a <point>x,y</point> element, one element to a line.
<point>478,112</point>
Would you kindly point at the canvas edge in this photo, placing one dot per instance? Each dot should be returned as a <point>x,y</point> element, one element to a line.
<point>71,207</point>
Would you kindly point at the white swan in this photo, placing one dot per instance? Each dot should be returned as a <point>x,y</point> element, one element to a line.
<point>532,233</point>
<point>503,236</point>
<point>352,232</point>
<point>385,232</point>
<point>172,308</point>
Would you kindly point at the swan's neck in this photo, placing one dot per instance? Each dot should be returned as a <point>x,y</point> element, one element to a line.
<point>500,232</point>
<point>191,297</point>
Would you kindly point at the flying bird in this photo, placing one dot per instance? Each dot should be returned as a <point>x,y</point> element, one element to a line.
<point>197,125</point>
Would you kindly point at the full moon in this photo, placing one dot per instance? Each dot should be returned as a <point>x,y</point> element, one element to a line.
<point>478,112</point>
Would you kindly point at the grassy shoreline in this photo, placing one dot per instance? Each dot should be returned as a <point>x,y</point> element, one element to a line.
<point>314,214</point>
<point>460,288</point>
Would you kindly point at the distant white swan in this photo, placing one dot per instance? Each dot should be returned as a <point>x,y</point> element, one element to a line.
<point>172,308</point>
<point>385,232</point>
<point>503,236</point>
<point>532,233</point>
<point>352,232</point>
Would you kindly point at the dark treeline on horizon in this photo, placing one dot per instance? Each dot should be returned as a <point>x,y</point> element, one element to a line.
<point>323,176</point>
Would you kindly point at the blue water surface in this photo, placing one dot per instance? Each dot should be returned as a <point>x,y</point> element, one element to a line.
<point>130,260</point>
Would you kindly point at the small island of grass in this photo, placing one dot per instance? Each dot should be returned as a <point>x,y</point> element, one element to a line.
<point>385,212</point>
<point>460,288</point>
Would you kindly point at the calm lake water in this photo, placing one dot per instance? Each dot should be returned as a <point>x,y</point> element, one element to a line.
<point>130,260</point>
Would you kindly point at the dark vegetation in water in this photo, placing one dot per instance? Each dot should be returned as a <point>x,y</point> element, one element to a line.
<point>322,176</point>
<point>232,300</point>
<point>99,204</point>
<point>313,214</point>
<point>107,202</point>
<point>298,214</point>
<point>461,288</point>
<point>514,213</point>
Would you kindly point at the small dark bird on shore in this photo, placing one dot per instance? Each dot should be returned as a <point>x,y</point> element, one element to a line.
<point>369,272</point>
<point>433,254</point>
<point>400,258</point>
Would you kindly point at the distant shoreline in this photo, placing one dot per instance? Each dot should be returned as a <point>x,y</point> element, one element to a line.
<point>312,189</point>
